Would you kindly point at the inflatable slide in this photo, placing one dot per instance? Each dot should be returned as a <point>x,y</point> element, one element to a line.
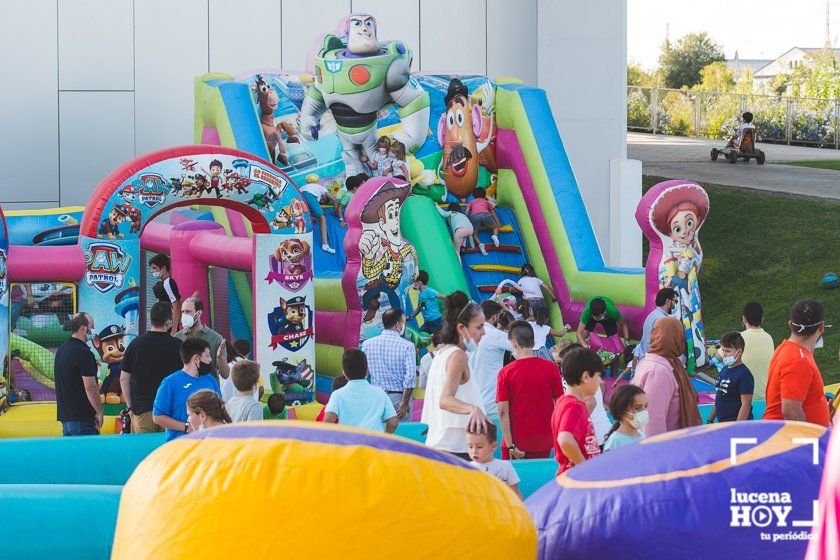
<point>541,209</point>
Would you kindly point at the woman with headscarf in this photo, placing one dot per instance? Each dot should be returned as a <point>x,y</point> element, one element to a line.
<point>672,400</point>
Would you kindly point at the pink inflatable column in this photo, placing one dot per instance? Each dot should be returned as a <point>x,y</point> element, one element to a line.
<point>191,274</point>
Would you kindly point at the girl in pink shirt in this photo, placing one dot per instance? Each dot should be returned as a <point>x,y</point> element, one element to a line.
<point>482,214</point>
<point>672,400</point>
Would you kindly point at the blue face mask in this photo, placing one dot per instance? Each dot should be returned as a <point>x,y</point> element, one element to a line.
<point>728,361</point>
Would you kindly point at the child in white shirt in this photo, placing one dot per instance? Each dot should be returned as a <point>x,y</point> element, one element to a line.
<point>380,162</point>
<point>481,447</point>
<point>399,169</point>
<point>530,286</point>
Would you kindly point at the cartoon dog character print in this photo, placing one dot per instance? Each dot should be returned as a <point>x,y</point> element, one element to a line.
<point>110,345</point>
<point>288,316</point>
<point>281,219</point>
<point>110,226</point>
<point>233,182</point>
<point>128,193</point>
<point>135,216</point>
<point>291,252</point>
<point>297,210</point>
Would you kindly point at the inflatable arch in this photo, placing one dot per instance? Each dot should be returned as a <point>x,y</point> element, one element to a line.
<point>131,196</point>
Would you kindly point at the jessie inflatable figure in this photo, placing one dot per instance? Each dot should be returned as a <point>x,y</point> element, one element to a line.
<point>677,215</point>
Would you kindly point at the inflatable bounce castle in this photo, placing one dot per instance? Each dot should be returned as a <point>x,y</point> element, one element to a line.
<point>263,218</point>
<point>301,281</point>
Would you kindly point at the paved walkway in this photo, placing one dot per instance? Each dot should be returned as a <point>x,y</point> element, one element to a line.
<point>688,158</point>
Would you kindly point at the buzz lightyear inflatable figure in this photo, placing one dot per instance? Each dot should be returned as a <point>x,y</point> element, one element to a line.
<point>355,77</point>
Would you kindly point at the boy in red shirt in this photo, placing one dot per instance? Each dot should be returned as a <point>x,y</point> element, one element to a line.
<point>526,391</point>
<point>573,432</point>
<point>794,384</point>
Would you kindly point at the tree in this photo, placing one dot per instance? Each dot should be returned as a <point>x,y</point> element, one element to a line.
<point>716,77</point>
<point>681,63</point>
<point>638,76</point>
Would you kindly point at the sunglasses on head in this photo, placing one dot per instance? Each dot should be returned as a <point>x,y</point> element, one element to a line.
<point>468,306</point>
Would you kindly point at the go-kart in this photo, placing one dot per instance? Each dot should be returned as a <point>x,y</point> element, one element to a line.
<point>745,149</point>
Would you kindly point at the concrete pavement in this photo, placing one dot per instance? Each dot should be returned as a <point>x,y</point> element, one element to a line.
<point>676,157</point>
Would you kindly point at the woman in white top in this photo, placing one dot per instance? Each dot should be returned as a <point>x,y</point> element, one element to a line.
<point>530,286</point>
<point>452,402</point>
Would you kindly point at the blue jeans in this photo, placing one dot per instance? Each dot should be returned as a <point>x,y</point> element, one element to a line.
<point>79,428</point>
<point>432,326</point>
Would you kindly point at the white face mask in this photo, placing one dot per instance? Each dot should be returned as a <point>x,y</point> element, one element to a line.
<point>156,274</point>
<point>819,343</point>
<point>201,427</point>
<point>470,344</point>
<point>402,329</point>
<point>640,419</point>
<point>187,320</point>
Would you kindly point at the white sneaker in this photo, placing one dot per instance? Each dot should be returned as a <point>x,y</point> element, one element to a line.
<point>327,249</point>
<point>482,249</point>
<point>495,239</point>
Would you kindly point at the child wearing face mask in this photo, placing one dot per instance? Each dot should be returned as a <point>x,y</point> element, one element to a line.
<point>169,410</point>
<point>735,384</point>
<point>381,161</point>
<point>628,405</point>
<point>165,288</point>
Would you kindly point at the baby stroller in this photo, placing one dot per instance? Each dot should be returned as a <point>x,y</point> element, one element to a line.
<point>745,149</point>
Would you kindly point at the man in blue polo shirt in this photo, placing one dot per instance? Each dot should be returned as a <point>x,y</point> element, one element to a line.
<point>170,407</point>
<point>359,403</point>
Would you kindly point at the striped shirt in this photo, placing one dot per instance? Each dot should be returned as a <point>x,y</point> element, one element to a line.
<point>391,361</point>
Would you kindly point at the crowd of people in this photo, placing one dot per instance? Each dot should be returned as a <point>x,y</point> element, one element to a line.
<point>491,367</point>
<point>173,380</point>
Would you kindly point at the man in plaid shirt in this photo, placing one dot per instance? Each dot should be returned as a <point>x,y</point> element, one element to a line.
<point>392,362</point>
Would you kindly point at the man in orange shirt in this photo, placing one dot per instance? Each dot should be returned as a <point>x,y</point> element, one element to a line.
<point>794,383</point>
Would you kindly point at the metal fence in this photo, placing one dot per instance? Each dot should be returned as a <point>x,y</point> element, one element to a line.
<point>778,119</point>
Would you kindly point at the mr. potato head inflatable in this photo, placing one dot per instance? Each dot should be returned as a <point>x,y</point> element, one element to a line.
<point>457,132</point>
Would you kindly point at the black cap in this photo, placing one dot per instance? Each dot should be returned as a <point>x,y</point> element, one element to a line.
<point>456,88</point>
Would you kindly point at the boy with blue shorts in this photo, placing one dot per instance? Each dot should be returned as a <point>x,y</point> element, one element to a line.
<point>312,194</point>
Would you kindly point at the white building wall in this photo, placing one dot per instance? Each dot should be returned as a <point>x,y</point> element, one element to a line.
<point>582,65</point>
<point>91,83</point>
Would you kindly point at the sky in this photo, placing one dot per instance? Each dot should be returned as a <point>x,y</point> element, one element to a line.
<point>773,26</point>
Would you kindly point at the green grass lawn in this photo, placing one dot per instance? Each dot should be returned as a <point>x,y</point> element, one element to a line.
<point>773,250</point>
<point>833,164</point>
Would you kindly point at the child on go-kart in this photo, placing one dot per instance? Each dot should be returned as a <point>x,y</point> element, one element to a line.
<point>746,123</point>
